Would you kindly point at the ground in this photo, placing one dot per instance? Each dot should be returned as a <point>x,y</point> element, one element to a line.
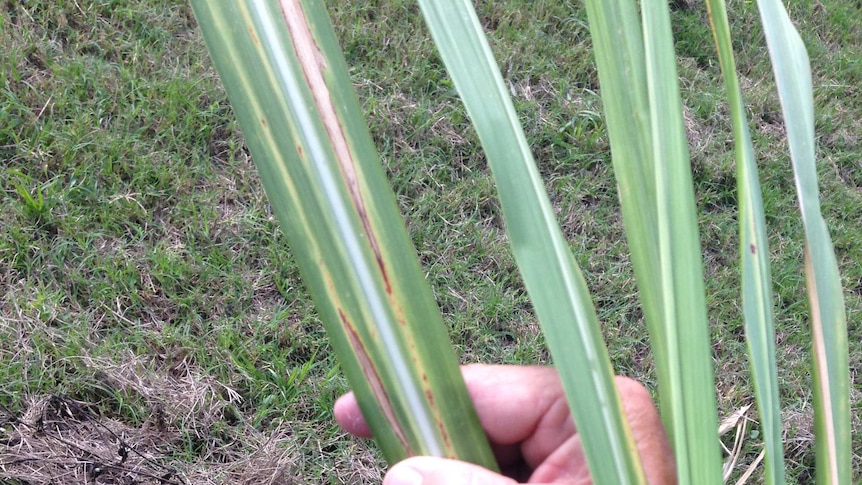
<point>153,326</point>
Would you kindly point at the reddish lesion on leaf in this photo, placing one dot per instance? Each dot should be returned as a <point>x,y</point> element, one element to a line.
<point>374,381</point>
<point>313,64</point>
<point>446,442</point>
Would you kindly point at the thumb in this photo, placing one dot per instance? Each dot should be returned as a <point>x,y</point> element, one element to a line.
<point>428,470</point>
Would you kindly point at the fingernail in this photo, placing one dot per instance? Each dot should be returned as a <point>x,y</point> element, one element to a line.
<point>403,475</point>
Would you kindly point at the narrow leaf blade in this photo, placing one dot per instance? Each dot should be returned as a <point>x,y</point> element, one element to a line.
<point>754,254</point>
<point>290,89</point>
<point>553,280</point>
<point>831,374</point>
<point>694,429</point>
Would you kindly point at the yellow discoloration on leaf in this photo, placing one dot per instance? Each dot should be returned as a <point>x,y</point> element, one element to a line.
<point>822,361</point>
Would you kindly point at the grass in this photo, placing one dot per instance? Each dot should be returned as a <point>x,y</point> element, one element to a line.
<point>148,292</point>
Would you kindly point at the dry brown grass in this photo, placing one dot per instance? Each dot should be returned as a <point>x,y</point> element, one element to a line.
<point>194,430</point>
<point>59,440</point>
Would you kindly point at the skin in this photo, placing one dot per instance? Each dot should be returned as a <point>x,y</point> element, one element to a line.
<point>525,415</point>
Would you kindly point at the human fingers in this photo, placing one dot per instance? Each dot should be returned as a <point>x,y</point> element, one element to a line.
<point>510,400</point>
<point>349,417</point>
<point>649,432</point>
<point>522,409</point>
<point>525,414</point>
<point>427,470</point>
<point>513,403</point>
<point>567,462</point>
<point>526,406</point>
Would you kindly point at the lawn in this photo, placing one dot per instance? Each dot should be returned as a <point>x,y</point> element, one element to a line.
<point>153,325</point>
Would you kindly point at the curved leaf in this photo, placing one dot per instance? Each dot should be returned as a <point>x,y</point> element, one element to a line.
<point>553,279</point>
<point>828,321</point>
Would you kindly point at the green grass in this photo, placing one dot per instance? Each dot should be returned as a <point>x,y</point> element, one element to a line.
<point>144,275</point>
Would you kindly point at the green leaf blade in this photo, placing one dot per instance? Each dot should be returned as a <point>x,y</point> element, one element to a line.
<point>552,278</point>
<point>617,36</point>
<point>756,278</point>
<point>831,373</point>
<point>644,117</point>
<point>289,86</point>
<point>693,416</point>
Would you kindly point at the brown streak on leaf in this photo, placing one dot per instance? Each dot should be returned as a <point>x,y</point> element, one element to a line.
<point>441,425</point>
<point>253,36</point>
<point>374,381</point>
<point>263,122</point>
<point>822,362</point>
<point>753,248</point>
<point>447,444</point>
<point>313,64</point>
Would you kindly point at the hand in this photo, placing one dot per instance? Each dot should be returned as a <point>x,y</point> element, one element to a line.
<point>525,414</point>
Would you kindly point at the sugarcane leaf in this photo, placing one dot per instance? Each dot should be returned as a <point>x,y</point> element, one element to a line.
<point>641,96</point>
<point>289,86</point>
<point>831,374</point>
<point>553,279</point>
<point>694,420</point>
<point>754,254</point>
